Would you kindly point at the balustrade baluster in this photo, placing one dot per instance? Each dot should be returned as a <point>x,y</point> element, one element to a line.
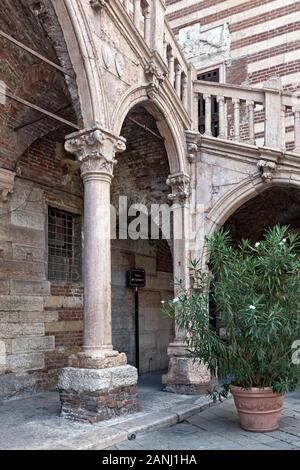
<point>250,107</point>
<point>207,99</point>
<point>222,117</point>
<point>236,118</point>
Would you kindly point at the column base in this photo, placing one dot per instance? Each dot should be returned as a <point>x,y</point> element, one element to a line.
<point>85,360</point>
<point>93,395</point>
<point>187,376</point>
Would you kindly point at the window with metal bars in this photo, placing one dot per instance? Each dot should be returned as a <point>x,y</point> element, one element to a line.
<point>64,246</point>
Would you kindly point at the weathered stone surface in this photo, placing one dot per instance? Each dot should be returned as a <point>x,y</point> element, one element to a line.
<point>4,286</point>
<point>30,287</point>
<point>28,219</point>
<point>97,406</point>
<point>20,270</point>
<point>82,360</point>
<point>33,343</point>
<point>14,384</point>
<point>21,303</point>
<point>96,380</point>
<point>38,317</point>
<point>28,252</point>
<point>186,375</point>
<point>23,362</point>
<point>9,317</point>
<point>52,326</point>
<point>11,330</point>
<point>54,302</point>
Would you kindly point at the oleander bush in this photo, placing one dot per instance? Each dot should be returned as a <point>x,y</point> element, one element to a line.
<point>256,292</point>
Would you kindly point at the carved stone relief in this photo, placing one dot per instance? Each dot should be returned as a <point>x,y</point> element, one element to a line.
<point>204,48</point>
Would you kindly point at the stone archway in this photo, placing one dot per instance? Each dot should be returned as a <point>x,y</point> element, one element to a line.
<point>167,121</point>
<point>233,200</point>
<point>141,176</point>
<point>275,205</point>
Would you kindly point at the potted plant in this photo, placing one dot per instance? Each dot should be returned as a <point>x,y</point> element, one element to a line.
<point>255,290</point>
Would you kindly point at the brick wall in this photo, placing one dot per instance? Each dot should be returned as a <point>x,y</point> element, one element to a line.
<point>264,40</point>
<point>262,33</point>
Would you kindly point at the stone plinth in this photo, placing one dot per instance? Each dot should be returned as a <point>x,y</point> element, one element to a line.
<point>92,395</point>
<point>86,361</point>
<point>187,376</point>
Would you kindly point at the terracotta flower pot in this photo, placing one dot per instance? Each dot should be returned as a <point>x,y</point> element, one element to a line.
<point>259,408</point>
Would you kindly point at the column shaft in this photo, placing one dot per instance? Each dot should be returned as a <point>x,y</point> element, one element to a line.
<point>97,265</point>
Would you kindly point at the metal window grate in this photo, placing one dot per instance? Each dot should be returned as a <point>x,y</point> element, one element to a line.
<point>64,246</point>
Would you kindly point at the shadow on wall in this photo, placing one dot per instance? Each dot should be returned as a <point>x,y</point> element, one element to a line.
<point>156,330</point>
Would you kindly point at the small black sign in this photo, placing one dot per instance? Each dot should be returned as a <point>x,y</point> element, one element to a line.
<point>136,278</point>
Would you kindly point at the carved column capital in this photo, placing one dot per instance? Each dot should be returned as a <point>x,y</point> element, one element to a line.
<point>7,179</point>
<point>267,170</point>
<point>180,186</point>
<point>95,150</point>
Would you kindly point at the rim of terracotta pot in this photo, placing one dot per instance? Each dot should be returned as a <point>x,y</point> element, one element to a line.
<point>262,390</point>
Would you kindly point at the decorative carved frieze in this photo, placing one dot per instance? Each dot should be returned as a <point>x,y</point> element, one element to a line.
<point>95,149</point>
<point>7,179</point>
<point>267,170</point>
<point>180,185</point>
<point>204,48</point>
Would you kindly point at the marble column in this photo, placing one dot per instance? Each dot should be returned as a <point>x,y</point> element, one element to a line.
<point>185,375</point>
<point>98,364</point>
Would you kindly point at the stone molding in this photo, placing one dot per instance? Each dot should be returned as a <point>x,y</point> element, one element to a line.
<point>95,150</point>
<point>180,185</point>
<point>7,179</point>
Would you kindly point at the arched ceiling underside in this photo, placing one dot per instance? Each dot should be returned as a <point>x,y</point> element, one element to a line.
<point>26,76</point>
<point>276,205</point>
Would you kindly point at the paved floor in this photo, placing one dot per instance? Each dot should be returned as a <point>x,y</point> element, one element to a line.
<point>34,422</point>
<point>217,428</point>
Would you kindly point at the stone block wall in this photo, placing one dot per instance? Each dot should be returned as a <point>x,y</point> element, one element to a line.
<point>40,322</point>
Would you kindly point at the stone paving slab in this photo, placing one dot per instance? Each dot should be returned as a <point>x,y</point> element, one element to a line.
<point>217,428</point>
<point>34,422</point>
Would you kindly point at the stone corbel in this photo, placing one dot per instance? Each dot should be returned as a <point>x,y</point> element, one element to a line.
<point>95,150</point>
<point>192,150</point>
<point>191,145</point>
<point>180,185</point>
<point>7,179</point>
<point>154,77</point>
<point>98,4</point>
<point>267,170</point>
